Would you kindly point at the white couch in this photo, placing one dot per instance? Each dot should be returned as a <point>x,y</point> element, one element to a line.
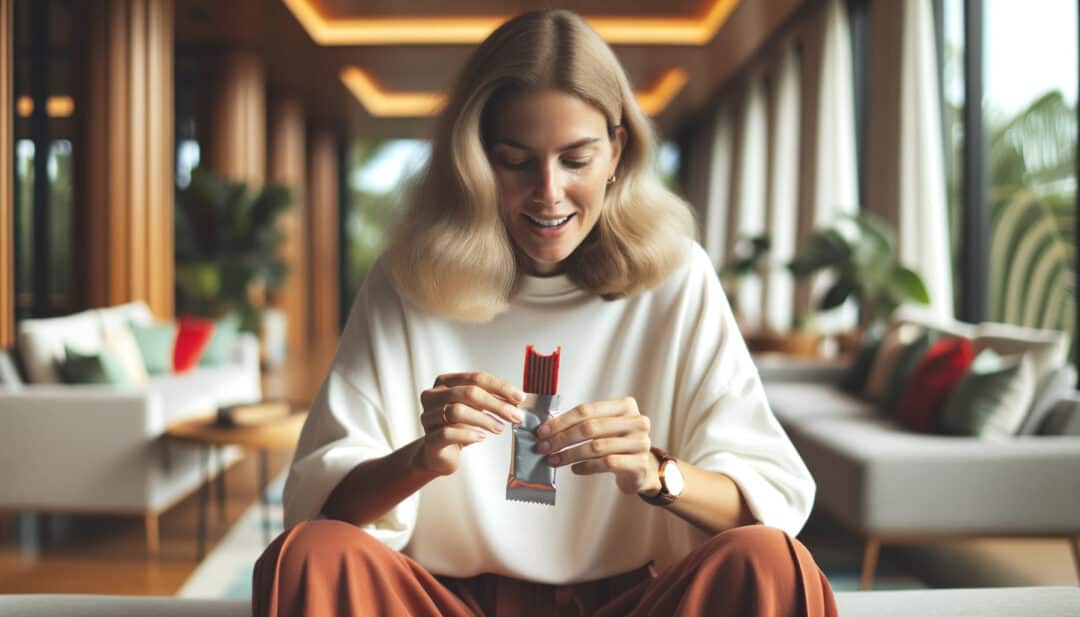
<point>100,450</point>
<point>1000,602</point>
<point>890,485</point>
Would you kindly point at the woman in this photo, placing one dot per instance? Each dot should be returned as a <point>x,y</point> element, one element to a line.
<point>539,220</point>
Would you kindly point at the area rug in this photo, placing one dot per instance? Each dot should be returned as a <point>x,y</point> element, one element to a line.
<point>226,571</point>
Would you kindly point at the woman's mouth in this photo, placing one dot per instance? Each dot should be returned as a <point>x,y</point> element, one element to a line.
<point>548,223</point>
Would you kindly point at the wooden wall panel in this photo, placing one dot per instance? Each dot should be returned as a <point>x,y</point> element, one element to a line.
<point>129,144</point>
<point>236,145</point>
<point>288,166</point>
<point>323,224</point>
<point>7,166</point>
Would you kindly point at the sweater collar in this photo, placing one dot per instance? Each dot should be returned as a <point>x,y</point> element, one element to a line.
<point>545,286</point>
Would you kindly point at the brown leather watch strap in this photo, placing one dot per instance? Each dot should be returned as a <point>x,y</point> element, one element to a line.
<point>663,498</point>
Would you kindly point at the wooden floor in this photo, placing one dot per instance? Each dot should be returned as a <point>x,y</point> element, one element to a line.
<point>106,554</point>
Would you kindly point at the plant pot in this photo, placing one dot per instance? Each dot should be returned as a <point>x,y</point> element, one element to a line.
<point>797,343</point>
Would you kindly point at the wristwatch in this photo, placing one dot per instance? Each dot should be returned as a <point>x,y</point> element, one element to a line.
<point>671,480</point>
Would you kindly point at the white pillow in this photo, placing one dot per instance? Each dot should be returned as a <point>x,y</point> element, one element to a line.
<point>42,342</point>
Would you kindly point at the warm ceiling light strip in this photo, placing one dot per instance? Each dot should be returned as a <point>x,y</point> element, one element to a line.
<point>450,30</point>
<point>55,106</point>
<point>385,104</point>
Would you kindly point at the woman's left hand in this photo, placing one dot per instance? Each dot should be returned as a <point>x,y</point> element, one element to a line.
<point>619,443</point>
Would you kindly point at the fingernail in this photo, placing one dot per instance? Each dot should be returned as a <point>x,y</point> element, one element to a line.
<point>553,460</point>
<point>519,395</point>
<point>498,428</point>
<point>543,431</point>
<point>544,446</point>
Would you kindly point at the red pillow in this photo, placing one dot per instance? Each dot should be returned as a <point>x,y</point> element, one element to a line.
<point>192,337</point>
<point>930,383</point>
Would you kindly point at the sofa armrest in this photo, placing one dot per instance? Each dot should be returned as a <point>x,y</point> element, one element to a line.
<point>787,370</point>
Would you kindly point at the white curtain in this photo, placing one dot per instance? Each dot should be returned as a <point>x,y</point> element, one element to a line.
<point>783,193</point>
<point>836,187</point>
<point>718,188</point>
<point>750,206</point>
<point>923,217</point>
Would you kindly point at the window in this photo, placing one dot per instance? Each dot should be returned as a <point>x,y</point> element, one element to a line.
<point>1028,66</point>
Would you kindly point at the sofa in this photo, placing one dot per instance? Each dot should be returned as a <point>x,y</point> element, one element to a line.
<point>83,449</point>
<point>999,602</point>
<point>891,485</point>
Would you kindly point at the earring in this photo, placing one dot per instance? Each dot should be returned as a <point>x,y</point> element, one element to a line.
<point>611,180</point>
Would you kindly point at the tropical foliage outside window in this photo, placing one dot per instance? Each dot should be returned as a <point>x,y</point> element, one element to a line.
<point>1029,112</point>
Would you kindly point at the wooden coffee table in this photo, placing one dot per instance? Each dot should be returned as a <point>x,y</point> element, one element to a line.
<point>276,435</point>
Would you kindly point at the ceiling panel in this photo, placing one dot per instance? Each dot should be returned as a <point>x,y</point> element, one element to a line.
<point>336,9</point>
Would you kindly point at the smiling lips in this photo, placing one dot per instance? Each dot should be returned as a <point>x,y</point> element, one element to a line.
<point>546,223</point>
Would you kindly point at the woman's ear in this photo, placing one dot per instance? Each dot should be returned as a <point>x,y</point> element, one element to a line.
<point>618,144</point>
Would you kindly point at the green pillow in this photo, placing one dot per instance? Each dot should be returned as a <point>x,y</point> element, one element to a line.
<point>993,397</point>
<point>156,343</point>
<point>222,341</point>
<point>905,366</point>
<point>92,368</point>
<point>855,379</point>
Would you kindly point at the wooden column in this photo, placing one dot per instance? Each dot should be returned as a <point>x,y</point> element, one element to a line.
<point>128,237</point>
<point>323,225</point>
<point>7,166</point>
<point>288,166</point>
<point>236,141</point>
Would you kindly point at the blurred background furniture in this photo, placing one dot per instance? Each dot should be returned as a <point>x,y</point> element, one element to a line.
<point>891,485</point>
<point>98,449</point>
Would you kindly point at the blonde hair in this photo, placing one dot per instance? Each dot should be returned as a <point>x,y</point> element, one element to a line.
<point>450,253</point>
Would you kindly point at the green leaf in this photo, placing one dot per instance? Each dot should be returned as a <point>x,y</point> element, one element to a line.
<point>838,293</point>
<point>907,286</point>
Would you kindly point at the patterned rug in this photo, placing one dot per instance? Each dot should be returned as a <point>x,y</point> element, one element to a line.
<point>226,570</point>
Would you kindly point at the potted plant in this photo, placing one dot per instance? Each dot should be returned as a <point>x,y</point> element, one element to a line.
<point>227,247</point>
<point>751,256</point>
<point>863,263</point>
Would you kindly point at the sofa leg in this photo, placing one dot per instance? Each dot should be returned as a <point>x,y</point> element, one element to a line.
<point>1075,543</point>
<point>153,536</point>
<point>869,564</point>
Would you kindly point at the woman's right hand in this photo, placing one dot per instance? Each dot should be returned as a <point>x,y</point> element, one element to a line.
<point>456,414</point>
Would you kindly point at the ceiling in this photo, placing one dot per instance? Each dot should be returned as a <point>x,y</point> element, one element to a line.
<point>282,31</point>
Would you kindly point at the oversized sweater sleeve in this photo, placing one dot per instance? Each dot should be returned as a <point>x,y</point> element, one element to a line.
<point>357,415</point>
<point>727,425</point>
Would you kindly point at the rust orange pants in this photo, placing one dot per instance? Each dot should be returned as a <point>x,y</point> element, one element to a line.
<point>327,568</point>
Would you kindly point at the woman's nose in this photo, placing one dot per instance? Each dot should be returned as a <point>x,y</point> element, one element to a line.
<point>549,187</point>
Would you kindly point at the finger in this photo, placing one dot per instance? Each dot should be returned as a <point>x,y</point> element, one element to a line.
<point>458,413</point>
<point>455,435</point>
<point>478,398</point>
<point>595,428</point>
<point>487,381</point>
<point>625,406</point>
<point>599,448</point>
<point>612,463</point>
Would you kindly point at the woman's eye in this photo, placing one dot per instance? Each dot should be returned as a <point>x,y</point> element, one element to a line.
<point>576,163</point>
<point>516,163</point>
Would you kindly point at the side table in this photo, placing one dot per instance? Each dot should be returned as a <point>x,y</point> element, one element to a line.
<point>275,435</point>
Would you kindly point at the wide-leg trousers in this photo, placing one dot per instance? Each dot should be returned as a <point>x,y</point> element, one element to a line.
<point>328,568</point>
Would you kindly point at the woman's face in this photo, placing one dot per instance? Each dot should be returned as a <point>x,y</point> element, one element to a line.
<point>552,157</point>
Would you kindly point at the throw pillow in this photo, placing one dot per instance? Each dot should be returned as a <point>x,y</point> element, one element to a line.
<point>905,365</point>
<point>855,380</point>
<point>943,366</point>
<point>993,397</point>
<point>222,342</point>
<point>191,340</point>
<point>156,342</point>
<point>92,368</point>
<point>120,343</point>
<point>892,347</point>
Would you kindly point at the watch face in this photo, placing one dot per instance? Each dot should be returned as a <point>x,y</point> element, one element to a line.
<point>673,479</point>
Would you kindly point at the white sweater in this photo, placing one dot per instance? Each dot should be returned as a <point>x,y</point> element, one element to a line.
<point>675,349</point>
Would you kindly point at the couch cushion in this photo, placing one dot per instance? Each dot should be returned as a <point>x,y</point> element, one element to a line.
<point>892,349</point>
<point>1048,348</point>
<point>1061,384</point>
<point>905,365</point>
<point>100,368</point>
<point>1062,419</point>
<point>156,343</point>
<point>192,337</point>
<point>118,341</point>
<point>859,371</point>
<point>41,342</point>
<point>931,382</point>
<point>123,314</point>
<point>202,390</point>
<point>993,398</point>
<point>930,318</point>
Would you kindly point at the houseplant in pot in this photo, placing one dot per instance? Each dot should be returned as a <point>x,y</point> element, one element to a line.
<point>859,254</point>
<point>227,247</point>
